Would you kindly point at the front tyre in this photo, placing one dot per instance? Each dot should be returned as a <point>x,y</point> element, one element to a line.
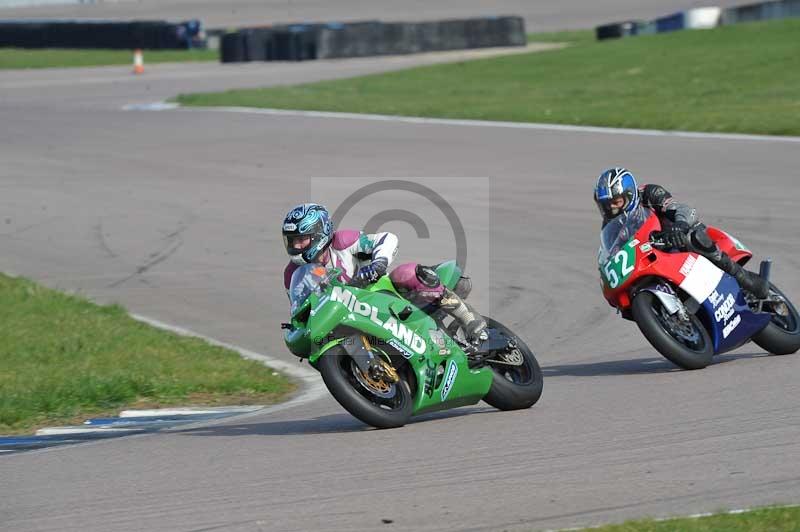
<point>685,344</point>
<point>381,405</point>
<point>514,387</point>
<point>782,335</point>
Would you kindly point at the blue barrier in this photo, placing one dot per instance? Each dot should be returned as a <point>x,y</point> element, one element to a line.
<point>673,22</point>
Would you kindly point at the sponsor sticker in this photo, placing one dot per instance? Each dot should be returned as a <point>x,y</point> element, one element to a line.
<point>728,329</point>
<point>406,336</point>
<point>726,310</point>
<point>688,264</point>
<point>290,227</point>
<point>405,351</point>
<point>646,248</point>
<point>449,379</point>
<point>715,298</point>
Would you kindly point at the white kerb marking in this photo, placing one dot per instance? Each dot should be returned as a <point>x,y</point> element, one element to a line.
<point>163,106</point>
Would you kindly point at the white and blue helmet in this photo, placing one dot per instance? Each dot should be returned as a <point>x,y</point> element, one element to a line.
<point>307,220</point>
<point>615,183</point>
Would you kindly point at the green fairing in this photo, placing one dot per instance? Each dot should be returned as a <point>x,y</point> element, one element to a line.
<point>369,313</point>
<point>449,273</point>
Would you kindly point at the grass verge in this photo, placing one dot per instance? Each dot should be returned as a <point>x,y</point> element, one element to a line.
<point>779,519</point>
<point>63,358</point>
<point>743,78</point>
<point>51,57</point>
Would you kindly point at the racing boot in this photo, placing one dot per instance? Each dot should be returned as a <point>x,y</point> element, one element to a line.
<point>752,282</point>
<point>471,322</point>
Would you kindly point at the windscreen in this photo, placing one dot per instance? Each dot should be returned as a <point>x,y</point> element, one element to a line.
<point>306,280</point>
<point>619,231</point>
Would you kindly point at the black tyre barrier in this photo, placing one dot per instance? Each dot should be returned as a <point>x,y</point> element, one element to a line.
<point>453,35</point>
<point>297,42</point>
<point>301,42</point>
<point>359,39</point>
<point>151,35</point>
<point>618,29</point>
<point>232,48</point>
<point>257,44</point>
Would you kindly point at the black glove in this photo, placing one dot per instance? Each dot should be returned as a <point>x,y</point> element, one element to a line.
<point>371,273</point>
<point>676,236</point>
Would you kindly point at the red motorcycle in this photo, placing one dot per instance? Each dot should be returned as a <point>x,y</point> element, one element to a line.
<point>687,308</point>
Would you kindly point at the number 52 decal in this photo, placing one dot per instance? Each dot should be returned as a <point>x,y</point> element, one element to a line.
<point>620,266</point>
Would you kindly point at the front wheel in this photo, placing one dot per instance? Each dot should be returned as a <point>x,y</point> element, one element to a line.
<point>517,380</point>
<point>684,343</point>
<point>376,403</point>
<point>782,335</point>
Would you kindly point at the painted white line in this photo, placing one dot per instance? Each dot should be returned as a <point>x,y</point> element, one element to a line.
<point>158,106</point>
<point>59,431</point>
<point>188,411</point>
<point>161,106</point>
<point>312,387</point>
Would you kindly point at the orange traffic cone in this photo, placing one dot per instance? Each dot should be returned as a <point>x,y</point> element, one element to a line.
<point>138,62</point>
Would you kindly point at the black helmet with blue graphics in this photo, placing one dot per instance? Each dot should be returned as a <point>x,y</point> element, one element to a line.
<point>616,193</point>
<point>307,232</point>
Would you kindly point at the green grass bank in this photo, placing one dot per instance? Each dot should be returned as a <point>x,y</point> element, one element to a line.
<point>778,519</point>
<point>743,78</point>
<point>13,58</point>
<point>63,358</point>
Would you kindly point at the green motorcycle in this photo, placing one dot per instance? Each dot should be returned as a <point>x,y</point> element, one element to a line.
<point>384,359</point>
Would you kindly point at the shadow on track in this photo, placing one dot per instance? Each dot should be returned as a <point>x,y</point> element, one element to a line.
<point>330,424</point>
<point>637,366</point>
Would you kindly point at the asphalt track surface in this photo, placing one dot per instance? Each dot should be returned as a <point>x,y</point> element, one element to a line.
<point>540,15</point>
<point>175,215</point>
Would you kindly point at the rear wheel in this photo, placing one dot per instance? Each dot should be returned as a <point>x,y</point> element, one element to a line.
<point>377,403</point>
<point>517,380</point>
<point>684,343</point>
<point>782,335</point>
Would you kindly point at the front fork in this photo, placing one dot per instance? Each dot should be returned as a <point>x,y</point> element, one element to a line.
<point>672,303</point>
<point>368,361</point>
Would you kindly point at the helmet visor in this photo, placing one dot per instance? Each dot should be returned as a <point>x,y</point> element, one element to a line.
<point>612,207</point>
<point>297,244</point>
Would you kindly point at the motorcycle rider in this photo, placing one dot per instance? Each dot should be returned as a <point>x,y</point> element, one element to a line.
<point>617,193</point>
<point>308,236</point>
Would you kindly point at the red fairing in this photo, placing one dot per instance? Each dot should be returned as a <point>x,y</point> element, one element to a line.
<point>653,263</point>
<point>728,246</point>
<point>649,263</point>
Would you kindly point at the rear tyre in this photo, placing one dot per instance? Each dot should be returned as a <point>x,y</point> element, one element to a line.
<point>782,335</point>
<point>686,345</point>
<point>514,387</point>
<point>383,407</point>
